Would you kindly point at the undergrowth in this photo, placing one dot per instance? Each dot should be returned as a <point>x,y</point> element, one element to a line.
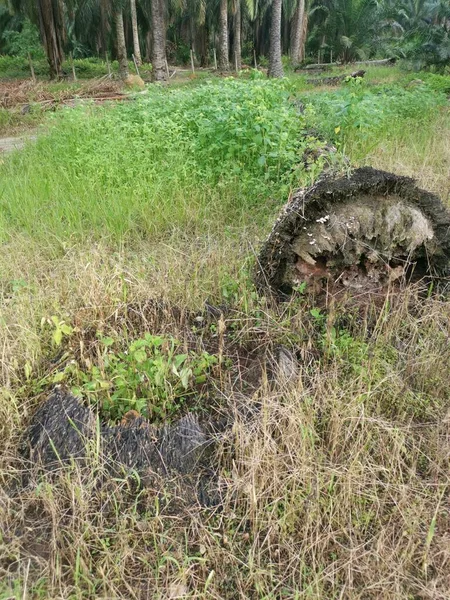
<point>86,68</point>
<point>175,158</point>
<point>334,480</point>
<point>357,116</point>
<point>154,376</point>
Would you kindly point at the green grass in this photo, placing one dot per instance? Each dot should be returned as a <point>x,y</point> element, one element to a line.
<point>339,489</point>
<point>13,122</point>
<point>358,116</point>
<point>172,159</point>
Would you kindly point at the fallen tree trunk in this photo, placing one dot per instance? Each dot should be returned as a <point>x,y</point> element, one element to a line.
<point>364,232</point>
<point>337,79</point>
<point>324,66</point>
<point>374,63</point>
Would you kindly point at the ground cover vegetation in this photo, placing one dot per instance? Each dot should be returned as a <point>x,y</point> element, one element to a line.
<point>116,226</point>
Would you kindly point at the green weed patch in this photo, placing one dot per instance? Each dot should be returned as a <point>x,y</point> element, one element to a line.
<point>357,117</point>
<point>175,158</point>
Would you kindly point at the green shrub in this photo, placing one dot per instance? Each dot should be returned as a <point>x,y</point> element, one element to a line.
<point>12,67</point>
<point>438,83</point>
<point>18,67</point>
<point>25,42</point>
<point>153,375</point>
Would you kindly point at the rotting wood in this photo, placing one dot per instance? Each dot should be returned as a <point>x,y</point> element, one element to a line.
<point>63,431</point>
<point>384,61</point>
<point>364,232</point>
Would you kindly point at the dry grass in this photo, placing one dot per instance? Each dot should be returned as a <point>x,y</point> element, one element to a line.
<point>18,93</point>
<point>422,154</point>
<point>336,488</point>
<point>24,103</point>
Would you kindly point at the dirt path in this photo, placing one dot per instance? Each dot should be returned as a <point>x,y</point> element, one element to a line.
<point>8,144</point>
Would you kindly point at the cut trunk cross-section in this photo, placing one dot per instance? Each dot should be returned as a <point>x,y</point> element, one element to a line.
<point>361,232</point>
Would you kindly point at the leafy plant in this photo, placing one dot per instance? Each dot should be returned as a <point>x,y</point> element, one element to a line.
<point>360,115</point>
<point>24,42</point>
<point>60,329</point>
<point>152,376</point>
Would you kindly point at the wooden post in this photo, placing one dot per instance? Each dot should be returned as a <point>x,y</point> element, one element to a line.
<point>108,65</point>
<point>135,65</point>
<point>192,61</point>
<point>331,56</point>
<point>318,57</point>
<point>33,76</point>
<point>215,59</point>
<point>74,75</point>
<point>254,59</point>
<point>167,69</point>
<point>236,62</point>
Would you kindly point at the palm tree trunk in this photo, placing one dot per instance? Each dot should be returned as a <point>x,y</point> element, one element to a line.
<point>237,36</point>
<point>159,72</point>
<point>51,36</point>
<point>303,36</point>
<point>275,64</point>
<point>203,44</point>
<point>148,46</point>
<point>284,35</point>
<point>121,47</point>
<point>134,26</point>
<point>104,25</point>
<point>297,42</point>
<point>223,36</point>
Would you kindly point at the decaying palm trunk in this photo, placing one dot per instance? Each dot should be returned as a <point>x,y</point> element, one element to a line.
<point>275,64</point>
<point>121,46</point>
<point>223,36</point>
<point>134,26</point>
<point>362,232</point>
<point>159,72</point>
<point>63,430</point>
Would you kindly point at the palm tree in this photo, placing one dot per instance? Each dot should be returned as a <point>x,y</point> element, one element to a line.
<point>134,26</point>
<point>105,26</point>
<point>223,36</point>
<point>159,72</point>
<point>275,64</point>
<point>237,34</point>
<point>121,46</point>
<point>348,27</point>
<point>299,27</point>
<point>51,25</point>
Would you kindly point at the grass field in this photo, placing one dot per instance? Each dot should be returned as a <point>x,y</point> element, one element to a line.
<point>340,487</point>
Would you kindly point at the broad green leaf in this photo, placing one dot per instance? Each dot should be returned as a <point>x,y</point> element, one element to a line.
<point>140,356</point>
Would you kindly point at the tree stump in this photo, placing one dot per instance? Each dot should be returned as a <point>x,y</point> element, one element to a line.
<point>363,232</point>
<point>62,428</point>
